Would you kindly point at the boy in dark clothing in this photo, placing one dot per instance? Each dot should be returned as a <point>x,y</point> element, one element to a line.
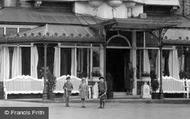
<point>102,88</point>
<point>68,87</point>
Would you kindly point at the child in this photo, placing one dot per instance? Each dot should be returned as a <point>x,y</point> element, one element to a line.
<point>83,88</point>
<point>102,88</point>
<point>68,87</point>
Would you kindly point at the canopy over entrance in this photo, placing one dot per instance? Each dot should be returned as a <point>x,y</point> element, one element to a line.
<point>138,24</point>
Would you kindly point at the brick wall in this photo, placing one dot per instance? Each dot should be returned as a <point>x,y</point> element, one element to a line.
<point>184,6</point>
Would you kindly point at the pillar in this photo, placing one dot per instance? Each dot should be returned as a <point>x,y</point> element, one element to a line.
<point>134,60</point>
<point>45,95</point>
<point>102,60</point>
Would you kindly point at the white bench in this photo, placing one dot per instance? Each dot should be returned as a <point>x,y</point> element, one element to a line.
<point>172,85</point>
<point>23,85</point>
<point>61,80</point>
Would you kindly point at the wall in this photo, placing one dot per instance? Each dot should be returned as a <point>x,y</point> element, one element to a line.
<point>105,11</point>
<point>184,5</point>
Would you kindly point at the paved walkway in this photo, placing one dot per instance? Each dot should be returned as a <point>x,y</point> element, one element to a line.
<point>112,110</point>
<point>139,100</point>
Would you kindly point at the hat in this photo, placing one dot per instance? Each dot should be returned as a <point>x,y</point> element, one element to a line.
<point>83,79</point>
<point>101,77</point>
<point>68,77</point>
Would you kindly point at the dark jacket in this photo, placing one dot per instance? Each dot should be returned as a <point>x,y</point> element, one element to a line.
<point>102,87</point>
<point>68,86</point>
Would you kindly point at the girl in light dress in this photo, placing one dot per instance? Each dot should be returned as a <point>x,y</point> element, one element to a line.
<point>83,88</point>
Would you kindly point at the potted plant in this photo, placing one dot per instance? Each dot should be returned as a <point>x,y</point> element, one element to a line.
<point>146,76</point>
<point>50,82</point>
<point>96,75</point>
<point>154,85</point>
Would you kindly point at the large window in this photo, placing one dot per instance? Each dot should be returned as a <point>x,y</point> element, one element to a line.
<point>26,60</point>
<point>65,61</point>
<point>83,62</point>
<point>50,58</point>
<point>18,61</point>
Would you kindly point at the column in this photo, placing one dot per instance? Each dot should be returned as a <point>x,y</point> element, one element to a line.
<point>134,61</point>
<point>45,95</point>
<point>101,60</point>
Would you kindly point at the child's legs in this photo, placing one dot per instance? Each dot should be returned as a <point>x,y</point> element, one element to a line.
<point>67,100</point>
<point>83,101</point>
<point>101,101</point>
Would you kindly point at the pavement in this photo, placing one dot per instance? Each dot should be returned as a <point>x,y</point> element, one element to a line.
<point>112,110</point>
<point>76,99</point>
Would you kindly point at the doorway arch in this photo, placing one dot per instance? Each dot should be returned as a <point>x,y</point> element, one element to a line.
<point>118,48</point>
<point>118,41</point>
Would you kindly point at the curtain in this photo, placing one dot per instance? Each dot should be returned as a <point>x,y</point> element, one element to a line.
<point>158,64</point>
<point>73,62</point>
<point>181,62</point>
<point>146,63</point>
<point>1,63</point>
<point>16,62</point>
<point>174,64</point>
<point>5,64</point>
<point>34,61</point>
<point>102,60</point>
<point>57,62</point>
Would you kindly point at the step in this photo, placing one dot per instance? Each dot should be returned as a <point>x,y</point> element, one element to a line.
<point>123,95</point>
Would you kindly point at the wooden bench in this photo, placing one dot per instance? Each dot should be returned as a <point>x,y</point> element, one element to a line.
<point>23,85</point>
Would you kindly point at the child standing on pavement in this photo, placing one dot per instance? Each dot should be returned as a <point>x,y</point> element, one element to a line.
<point>102,89</point>
<point>83,88</point>
<point>68,87</point>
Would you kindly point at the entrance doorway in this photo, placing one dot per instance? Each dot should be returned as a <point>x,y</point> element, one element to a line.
<point>116,64</point>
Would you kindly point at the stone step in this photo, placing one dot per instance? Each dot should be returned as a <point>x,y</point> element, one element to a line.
<point>123,95</point>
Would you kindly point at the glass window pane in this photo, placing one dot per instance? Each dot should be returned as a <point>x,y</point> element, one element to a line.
<point>25,60</point>
<point>83,62</point>
<point>10,60</point>
<point>65,61</point>
<point>96,57</point>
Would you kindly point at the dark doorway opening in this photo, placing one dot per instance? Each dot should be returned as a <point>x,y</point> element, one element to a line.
<point>116,64</point>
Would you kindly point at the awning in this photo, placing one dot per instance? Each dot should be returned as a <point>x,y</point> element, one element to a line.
<point>162,2</point>
<point>177,37</point>
<point>138,24</point>
<point>55,33</point>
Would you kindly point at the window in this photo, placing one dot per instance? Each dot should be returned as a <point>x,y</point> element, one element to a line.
<point>50,58</point>
<point>83,62</point>
<point>96,57</point>
<point>65,61</point>
<point>26,61</point>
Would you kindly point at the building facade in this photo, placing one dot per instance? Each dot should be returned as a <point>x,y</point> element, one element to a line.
<point>88,38</point>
